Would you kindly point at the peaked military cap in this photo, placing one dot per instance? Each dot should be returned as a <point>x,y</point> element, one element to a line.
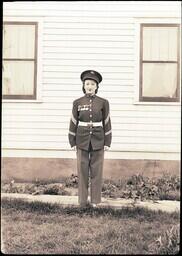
<point>91,74</point>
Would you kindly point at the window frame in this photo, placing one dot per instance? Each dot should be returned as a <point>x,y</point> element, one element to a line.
<point>141,61</point>
<point>34,95</point>
<point>39,92</point>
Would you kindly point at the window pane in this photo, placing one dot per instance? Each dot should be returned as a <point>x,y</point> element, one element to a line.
<point>18,77</point>
<point>18,41</point>
<point>160,43</point>
<point>159,79</point>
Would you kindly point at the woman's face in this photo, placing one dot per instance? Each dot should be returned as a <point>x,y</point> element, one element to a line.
<point>90,86</point>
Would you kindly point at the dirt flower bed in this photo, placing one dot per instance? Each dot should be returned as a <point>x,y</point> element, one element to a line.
<point>136,187</point>
<point>140,187</point>
<point>29,188</point>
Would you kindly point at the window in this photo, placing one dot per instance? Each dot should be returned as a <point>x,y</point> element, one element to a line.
<point>19,60</point>
<point>159,63</point>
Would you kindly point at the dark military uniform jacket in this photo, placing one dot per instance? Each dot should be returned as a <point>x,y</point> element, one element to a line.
<point>90,109</point>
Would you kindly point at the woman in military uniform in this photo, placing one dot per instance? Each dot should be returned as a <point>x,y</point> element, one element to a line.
<point>90,133</point>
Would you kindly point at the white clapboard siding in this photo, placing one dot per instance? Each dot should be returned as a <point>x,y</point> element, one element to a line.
<point>63,125</point>
<point>60,88</point>
<point>114,108</point>
<point>111,44</point>
<point>63,138</point>
<point>117,147</point>
<point>36,125</point>
<point>116,133</point>
<point>115,127</point>
<point>64,99</point>
<point>58,24</point>
<point>87,32</point>
<point>90,63</point>
<point>87,51</point>
<point>92,13</point>
<point>116,140</point>
<point>61,112</point>
<point>72,82</point>
<point>76,94</point>
<point>113,101</point>
<point>76,69</point>
<point>65,75</point>
<point>91,6</point>
<point>120,120</point>
<point>87,56</point>
<point>90,35</point>
<point>74,75</point>
<point>53,107</point>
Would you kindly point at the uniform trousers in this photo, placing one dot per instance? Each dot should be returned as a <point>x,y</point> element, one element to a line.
<point>90,164</point>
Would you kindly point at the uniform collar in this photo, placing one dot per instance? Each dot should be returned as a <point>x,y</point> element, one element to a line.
<point>89,96</point>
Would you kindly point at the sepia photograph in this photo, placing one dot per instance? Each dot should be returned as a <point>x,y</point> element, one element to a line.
<point>91,127</point>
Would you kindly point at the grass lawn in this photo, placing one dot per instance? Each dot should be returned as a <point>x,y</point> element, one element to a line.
<point>41,228</point>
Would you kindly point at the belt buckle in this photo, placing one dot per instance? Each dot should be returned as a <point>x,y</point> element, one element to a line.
<point>90,124</point>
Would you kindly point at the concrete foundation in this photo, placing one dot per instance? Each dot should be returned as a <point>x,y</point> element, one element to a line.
<point>54,169</point>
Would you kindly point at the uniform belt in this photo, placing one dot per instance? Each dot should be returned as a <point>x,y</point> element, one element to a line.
<point>90,124</point>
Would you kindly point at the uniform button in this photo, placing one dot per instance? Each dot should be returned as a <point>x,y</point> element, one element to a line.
<point>90,110</point>
<point>90,115</point>
<point>90,100</point>
<point>90,132</point>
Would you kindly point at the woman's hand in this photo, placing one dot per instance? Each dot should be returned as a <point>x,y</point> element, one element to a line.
<point>106,148</point>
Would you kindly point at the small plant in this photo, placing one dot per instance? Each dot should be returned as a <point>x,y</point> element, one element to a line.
<point>143,188</point>
<point>72,181</point>
<point>109,189</point>
<point>55,190</point>
<point>167,243</point>
<point>51,190</point>
<point>167,185</point>
<point>10,187</point>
